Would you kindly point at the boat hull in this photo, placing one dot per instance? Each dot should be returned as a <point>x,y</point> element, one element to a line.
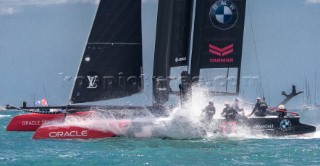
<point>62,131</point>
<point>272,125</point>
<point>70,132</point>
<point>269,125</point>
<point>32,121</point>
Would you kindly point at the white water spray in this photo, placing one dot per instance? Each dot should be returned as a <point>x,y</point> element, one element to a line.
<point>183,122</point>
<point>5,116</point>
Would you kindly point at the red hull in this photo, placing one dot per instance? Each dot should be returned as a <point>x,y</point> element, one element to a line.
<point>78,132</point>
<point>32,121</point>
<point>70,132</point>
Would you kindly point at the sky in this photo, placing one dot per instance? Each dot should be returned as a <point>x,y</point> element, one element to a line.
<point>285,39</point>
<point>42,41</point>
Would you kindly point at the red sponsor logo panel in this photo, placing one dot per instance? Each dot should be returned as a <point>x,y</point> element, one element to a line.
<point>221,53</point>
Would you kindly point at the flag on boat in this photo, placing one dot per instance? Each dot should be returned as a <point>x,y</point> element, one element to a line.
<point>38,102</point>
<point>44,102</point>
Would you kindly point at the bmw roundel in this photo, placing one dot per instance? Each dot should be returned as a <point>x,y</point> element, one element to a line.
<point>223,14</point>
<point>285,125</point>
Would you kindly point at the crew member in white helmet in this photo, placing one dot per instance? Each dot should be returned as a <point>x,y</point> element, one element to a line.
<point>228,112</point>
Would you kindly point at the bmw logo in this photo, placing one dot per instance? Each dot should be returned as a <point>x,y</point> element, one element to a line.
<point>223,14</point>
<point>285,125</point>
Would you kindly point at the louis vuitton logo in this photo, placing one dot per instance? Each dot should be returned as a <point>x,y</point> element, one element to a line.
<point>92,82</point>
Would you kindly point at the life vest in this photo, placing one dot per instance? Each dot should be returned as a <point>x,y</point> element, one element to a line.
<point>210,110</point>
<point>263,105</point>
<point>230,113</point>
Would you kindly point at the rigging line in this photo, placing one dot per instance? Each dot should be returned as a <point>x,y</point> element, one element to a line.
<point>256,53</point>
<point>315,88</point>
<point>305,91</point>
<point>227,81</point>
<point>44,90</point>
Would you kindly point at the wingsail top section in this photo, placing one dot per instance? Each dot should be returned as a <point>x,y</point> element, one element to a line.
<point>217,44</point>
<point>112,61</point>
<point>172,43</point>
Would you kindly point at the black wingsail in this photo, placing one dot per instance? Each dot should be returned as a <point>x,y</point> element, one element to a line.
<point>217,44</point>
<point>112,61</point>
<point>172,43</point>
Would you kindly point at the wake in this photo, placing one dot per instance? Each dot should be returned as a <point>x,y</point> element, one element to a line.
<point>5,116</point>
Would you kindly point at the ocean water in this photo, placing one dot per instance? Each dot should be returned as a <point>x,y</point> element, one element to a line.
<point>18,148</point>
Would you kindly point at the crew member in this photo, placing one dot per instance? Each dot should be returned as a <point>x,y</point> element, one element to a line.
<point>209,111</point>
<point>282,111</point>
<point>260,109</point>
<point>229,113</point>
<point>235,106</point>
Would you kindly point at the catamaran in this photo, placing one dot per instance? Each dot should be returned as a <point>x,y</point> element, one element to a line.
<point>201,39</point>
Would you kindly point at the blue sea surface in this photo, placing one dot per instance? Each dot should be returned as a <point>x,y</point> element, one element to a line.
<point>18,148</point>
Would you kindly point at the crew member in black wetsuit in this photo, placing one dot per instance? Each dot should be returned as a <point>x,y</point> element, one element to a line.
<point>260,109</point>
<point>209,112</point>
<point>229,113</point>
<point>282,111</point>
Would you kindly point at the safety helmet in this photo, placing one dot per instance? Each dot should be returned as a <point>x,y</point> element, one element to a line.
<point>237,99</point>
<point>226,103</point>
<point>281,107</point>
<point>258,98</point>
